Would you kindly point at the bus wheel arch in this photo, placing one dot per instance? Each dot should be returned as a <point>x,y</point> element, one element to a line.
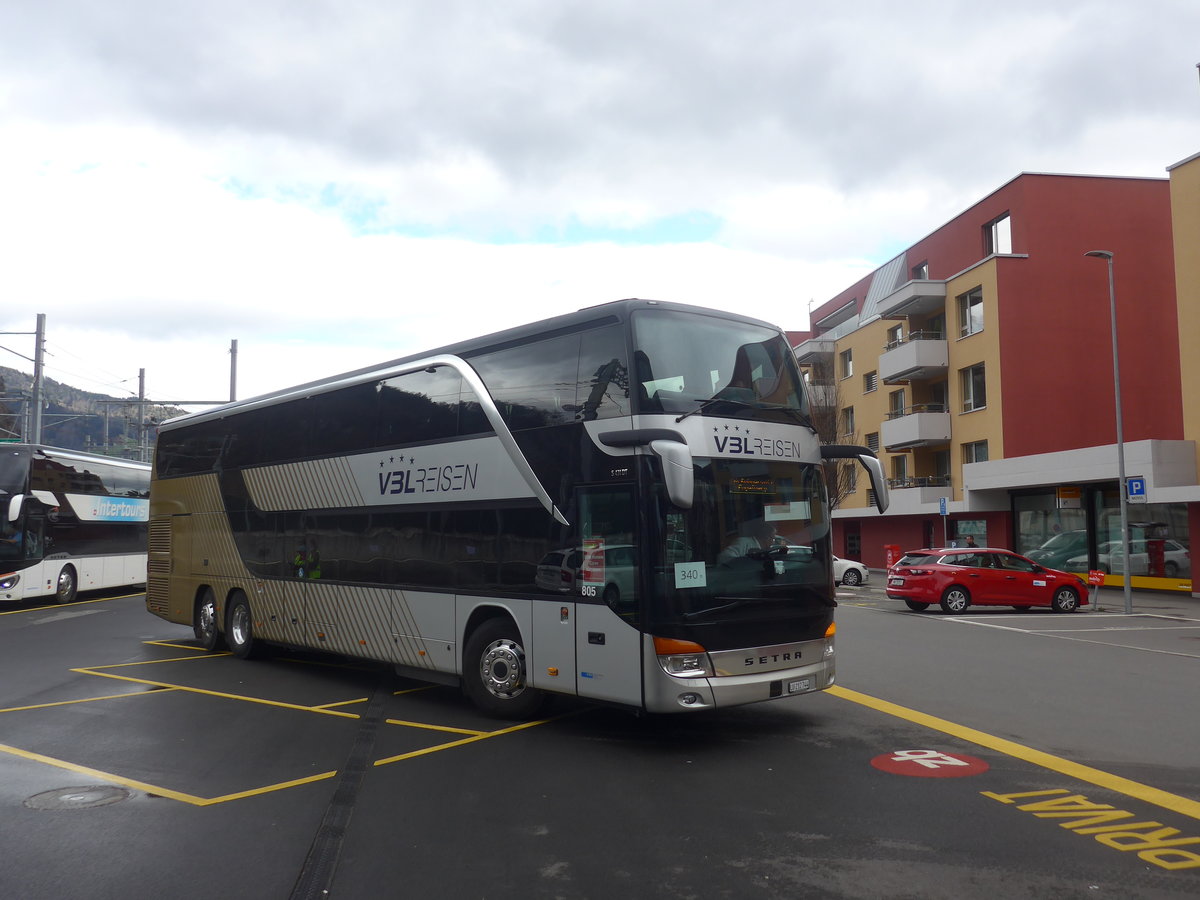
<point>495,670</point>
<point>239,626</point>
<point>66,588</point>
<point>205,619</point>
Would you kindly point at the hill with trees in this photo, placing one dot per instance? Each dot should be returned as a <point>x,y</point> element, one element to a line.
<point>77,419</point>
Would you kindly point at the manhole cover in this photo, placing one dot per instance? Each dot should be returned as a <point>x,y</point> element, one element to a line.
<point>78,797</point>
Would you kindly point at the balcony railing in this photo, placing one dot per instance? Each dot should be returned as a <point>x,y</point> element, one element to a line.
<point>917,408</point>
<point>922,356</point>
<point>919,481</point>
<point>919,425</point>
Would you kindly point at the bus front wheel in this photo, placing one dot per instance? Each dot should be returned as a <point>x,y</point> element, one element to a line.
<point>495,678</point>
<point>67,586</point>
<point>239,626</point>
<point>204,621</point>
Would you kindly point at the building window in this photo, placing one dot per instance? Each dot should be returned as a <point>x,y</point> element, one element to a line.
<point>870,382</point>
<point>974,452</point>
<point>941,466</point>
<point>974,388</point>
<point>970,312</point>
<point>873,441</point>
<point>847,363</point>
<point>848,421</point>
<point>920,272</point>
<point>900,470</point>
<point>895,336</point>
<point>997,235</point>
<point>896,404</point>
<point>851,476</point>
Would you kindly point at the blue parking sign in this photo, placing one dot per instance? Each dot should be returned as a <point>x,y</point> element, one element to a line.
<point>1135,488</point>
<point>941,506</point>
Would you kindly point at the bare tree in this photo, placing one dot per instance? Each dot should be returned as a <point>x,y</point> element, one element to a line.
<point>829,419</point>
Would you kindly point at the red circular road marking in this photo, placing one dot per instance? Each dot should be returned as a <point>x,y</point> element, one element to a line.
<point>929,764</point>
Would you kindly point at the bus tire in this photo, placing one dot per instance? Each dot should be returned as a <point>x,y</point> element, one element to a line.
<point>67,586</point>
<point>239,626</point>
<point>495,677</point>
<point>204,621</point>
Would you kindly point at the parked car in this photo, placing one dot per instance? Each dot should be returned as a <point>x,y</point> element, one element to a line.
<point>1176,559</point>
<point>1060,548</point>
<point>956,578</point>
<point>610,569</point>
<point>849,572</point>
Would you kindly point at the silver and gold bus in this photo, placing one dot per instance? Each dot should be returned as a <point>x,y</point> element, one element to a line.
<point>70,521</point>
<point>624,504</point>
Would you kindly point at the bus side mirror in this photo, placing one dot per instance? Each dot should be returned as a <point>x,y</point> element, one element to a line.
<point>14,507</point>
<point>677,471</point>
<point>869,461</point>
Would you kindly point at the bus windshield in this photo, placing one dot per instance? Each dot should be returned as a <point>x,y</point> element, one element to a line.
<point>687,363</point>
<point>754,544</point>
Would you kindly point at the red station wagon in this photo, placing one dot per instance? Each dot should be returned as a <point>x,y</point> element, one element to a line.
<point>955,578</point>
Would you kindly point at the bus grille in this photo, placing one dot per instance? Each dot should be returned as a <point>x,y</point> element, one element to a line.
<point>156,594</point>
<point>160,536</point>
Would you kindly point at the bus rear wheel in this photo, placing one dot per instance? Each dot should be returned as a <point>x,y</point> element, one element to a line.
<point>495,677</point>
<point>67,586</point>
<point>239,626</point>
<point>204,621</point>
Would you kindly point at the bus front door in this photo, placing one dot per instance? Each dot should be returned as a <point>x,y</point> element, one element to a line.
<point>607,640</point>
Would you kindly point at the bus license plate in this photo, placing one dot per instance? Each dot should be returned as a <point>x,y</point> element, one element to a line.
<point>799,687</point>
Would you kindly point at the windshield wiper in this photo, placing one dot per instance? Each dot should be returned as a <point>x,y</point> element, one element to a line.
<point>704,404</point>
<point>687,617</point>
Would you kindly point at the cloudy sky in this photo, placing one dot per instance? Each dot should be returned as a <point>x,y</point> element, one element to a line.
<point>333,183</point>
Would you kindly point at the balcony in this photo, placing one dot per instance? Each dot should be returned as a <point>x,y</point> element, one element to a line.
<point>915,298</point>
<point>912,495</point>
<point>919,425</point>
<point>923,356</point>
<point>815,350</point>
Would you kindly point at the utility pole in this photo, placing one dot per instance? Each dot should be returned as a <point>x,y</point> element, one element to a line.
<point>38,342</point>
<point>233,370</point>
<point>142,415</point>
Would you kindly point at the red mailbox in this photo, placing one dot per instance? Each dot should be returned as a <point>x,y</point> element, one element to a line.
<point>892,554</point>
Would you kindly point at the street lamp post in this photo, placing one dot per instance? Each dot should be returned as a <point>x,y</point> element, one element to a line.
<point>1121,488</point>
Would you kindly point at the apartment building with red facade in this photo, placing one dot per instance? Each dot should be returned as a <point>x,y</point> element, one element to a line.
<point>978,364</point>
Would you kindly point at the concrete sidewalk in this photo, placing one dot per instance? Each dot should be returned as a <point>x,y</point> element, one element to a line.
<point>1161,603</point>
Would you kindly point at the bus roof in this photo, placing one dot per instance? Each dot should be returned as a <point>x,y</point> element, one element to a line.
<point>590,316</point>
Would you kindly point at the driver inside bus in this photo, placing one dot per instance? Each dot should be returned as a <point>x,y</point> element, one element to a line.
<point>11,542</point>
<point>757,537</point>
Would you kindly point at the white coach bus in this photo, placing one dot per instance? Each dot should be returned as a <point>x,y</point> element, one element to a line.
<point>600,504</point>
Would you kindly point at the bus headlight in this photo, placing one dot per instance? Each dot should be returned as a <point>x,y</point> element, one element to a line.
<point>8,582</point>
<point>684,659</point>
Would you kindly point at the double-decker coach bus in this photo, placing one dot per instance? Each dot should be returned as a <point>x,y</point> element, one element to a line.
<point>626,504</point>
<point>70,521</point>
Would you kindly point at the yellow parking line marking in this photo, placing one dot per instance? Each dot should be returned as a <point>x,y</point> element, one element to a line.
<point>428,727</point>
<point>1146,793</point>
<point>155,789</point>
<point>81,700</point>
<point>223,695</point>
<point>342,703</point>
<point>481,736</point>
<point>174,646</point>
<point>148,662</point>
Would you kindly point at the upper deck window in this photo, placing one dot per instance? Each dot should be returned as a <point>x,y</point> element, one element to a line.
<point>684,360</point>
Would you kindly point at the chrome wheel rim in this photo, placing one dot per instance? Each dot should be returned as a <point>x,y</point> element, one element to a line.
<point>239,625</point>
<point>502,669</point>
